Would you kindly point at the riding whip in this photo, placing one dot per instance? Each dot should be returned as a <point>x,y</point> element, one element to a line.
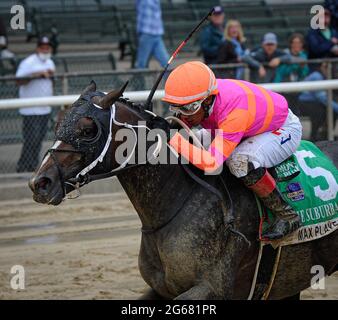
<point>148,105</point>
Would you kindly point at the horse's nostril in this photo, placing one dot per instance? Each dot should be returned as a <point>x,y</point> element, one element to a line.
<point>42,184</point>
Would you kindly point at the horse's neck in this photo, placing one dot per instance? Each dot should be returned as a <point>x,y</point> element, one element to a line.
<point>151,189</point>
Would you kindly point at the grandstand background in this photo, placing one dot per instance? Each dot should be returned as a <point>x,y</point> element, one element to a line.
<point>87,248</point>
<point>97,40</point>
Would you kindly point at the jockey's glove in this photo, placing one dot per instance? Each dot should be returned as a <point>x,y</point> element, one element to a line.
<point>161,123</point>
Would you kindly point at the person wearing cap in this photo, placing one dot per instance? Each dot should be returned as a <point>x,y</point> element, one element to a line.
<point>252,129</point>
<point>323,43</point>
<point>39,69</point>
<point>211,36</point>
<point>266,59</point>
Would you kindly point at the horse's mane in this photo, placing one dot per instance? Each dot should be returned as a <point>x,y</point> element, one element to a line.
<point>139,108</point>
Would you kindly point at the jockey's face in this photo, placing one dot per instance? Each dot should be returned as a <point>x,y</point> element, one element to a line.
<point>195,119</point>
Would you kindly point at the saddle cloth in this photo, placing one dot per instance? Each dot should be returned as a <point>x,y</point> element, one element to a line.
<point>308,181</point>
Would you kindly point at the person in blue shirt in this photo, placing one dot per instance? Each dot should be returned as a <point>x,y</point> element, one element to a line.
<point>314,104</point>
<point>211,36</point>
<point>321,95</point>
<point>150,31</point>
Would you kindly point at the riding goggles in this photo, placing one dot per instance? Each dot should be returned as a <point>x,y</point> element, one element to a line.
<point>187,109</point>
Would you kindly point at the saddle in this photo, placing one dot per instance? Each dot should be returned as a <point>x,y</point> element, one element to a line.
<point>307,181</point>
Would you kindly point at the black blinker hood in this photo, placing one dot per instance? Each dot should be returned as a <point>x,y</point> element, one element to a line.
<point>67,130</point>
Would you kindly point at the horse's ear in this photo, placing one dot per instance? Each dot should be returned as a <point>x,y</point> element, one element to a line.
<point>108,100</point>
<point>91,88</point>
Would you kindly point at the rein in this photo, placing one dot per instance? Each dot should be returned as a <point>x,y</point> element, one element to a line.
<point>63,182</point>
<point>84,177</point>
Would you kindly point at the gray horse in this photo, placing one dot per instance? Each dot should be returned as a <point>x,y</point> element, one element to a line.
<point>187,249</point>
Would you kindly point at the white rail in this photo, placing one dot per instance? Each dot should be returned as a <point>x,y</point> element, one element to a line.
<point>142,96</point>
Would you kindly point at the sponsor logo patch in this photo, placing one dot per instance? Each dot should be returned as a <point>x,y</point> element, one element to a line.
<point>295,191</point>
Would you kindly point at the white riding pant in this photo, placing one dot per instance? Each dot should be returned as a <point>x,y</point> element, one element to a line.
<point>266,149</point>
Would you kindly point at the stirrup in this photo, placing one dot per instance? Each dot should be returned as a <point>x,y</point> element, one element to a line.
<point>282,228</point>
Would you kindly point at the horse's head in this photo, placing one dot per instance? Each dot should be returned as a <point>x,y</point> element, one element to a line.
<point>84,142</point>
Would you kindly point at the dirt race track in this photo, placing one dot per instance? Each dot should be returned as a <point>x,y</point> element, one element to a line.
<point>83,249</point>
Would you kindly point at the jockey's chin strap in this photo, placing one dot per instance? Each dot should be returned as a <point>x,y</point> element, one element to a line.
<point>84,177</point>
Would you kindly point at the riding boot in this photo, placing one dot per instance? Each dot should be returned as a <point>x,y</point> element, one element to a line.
<point>264,185</point>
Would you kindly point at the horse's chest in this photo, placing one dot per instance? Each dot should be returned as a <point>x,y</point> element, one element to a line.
<point>185,258</point>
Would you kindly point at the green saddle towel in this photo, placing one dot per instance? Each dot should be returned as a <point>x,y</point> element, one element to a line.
<point>308,181</point>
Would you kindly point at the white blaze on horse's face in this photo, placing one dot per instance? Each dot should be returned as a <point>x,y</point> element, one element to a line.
<point>55,145</point>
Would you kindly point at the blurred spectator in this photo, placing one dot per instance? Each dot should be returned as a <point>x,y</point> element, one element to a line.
<point>297,70</point>
<point>3,34</point>
<point>54,39</point>
<point>314,103</point>
<point>232,48</point>
<point>212,36</point>
<point>323,43</point>
<point>3,31</point>
<point>332,6</point>
<point>150,31</point>
<point>4,52</point>
<point>266,59</point>
<point>32,25</point>
<point>35,119</point>
<point>7,58</point>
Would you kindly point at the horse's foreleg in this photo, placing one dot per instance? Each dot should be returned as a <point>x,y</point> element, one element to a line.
<point>236,254</point>
<point>219,282</point>
<point>151,294</point>
<point>198,292</point>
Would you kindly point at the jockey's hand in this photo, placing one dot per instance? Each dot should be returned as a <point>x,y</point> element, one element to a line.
<point>160,123</point>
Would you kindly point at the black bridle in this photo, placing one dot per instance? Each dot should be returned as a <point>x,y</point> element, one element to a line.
<point>61,175</point>
<point>68,185</point>
<point>80,181</point>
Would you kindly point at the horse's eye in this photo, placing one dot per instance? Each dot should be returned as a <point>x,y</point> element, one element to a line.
<point>88,132</point>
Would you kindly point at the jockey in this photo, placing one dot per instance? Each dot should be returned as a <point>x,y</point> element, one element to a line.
<point>256,130</point>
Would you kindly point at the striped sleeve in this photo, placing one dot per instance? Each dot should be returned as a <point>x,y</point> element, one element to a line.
<point>229,134</point>
<point>199,157</point>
